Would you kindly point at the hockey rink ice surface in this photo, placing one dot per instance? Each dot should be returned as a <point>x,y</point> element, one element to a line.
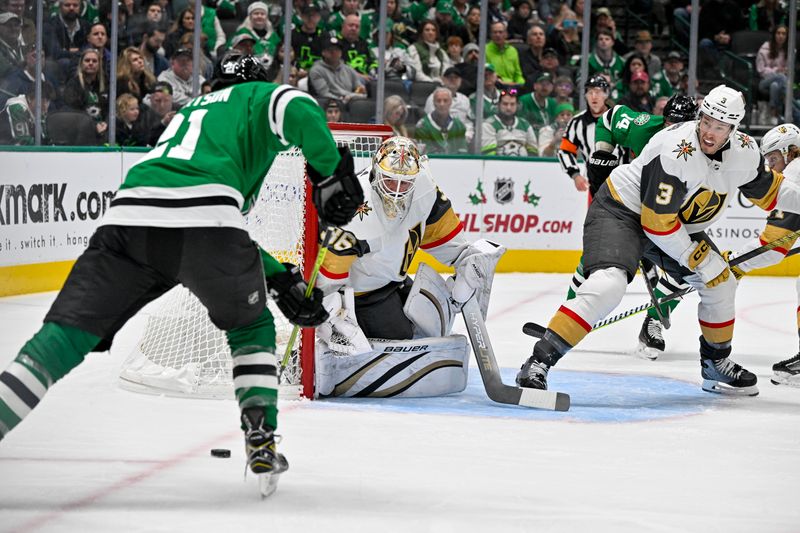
<point>641,449</point>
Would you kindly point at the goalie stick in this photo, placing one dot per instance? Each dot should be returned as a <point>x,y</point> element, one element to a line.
<point>536,330</point>
<point>490,372</point>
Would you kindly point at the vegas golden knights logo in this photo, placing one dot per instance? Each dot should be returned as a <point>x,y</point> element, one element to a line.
<point>703,206</point>
<point>414,238</point>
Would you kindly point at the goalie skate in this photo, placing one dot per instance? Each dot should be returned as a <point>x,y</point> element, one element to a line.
<point>651,340</point>
<point>787,372</point>
<point>262,457</point>
<point>723,376</point>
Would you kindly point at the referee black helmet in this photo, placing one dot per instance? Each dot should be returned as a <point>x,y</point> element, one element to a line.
<point>597,81</point>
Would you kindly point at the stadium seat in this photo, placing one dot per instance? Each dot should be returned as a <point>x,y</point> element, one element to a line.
<point>420,90</point>
<point>390,87</point>
<point>361,110</point>
<point>746,43</point>
<point>71,128</point>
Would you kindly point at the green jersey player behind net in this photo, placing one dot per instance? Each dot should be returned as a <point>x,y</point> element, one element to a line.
<point>178,218</point>
<point>622,127</point>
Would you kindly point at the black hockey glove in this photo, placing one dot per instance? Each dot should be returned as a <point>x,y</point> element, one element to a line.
<point>288,289</point>
<point>601,163</point>
<point>337,197</point>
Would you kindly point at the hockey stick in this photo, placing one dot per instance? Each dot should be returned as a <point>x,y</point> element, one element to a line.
<point>536,330</point>
<point>490,372</point>
<point>651,290</point>
<point>312,279</point>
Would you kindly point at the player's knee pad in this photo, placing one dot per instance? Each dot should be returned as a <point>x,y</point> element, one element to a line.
<point>600,293</point>
<point>408,368</point>
<point>428,304</point>
<point>717,310</point>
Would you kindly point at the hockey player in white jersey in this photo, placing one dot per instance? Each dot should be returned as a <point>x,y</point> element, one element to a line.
<point>389,335</point>
<point>780,147</point>
<point>658,207</point>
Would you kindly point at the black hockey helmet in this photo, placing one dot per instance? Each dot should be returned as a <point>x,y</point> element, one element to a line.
<point>680,108</point>
<point>236,67</point>
<point>597,81</point>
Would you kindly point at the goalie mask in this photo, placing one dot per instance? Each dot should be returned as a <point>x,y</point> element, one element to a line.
<point>395,167</point>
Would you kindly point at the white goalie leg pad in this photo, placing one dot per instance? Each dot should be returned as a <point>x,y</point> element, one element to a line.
<point>341,332</point>
<point>404,369</point>
<point>475,272</point>
<point>428,304</point>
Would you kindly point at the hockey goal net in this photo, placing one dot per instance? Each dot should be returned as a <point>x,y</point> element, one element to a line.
<point>181,353</point>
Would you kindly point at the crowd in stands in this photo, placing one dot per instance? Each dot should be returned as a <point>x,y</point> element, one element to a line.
<point>531,76</point>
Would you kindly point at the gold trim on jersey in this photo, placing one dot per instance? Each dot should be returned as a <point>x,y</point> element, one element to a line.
<point>441,228</point>
<point>337,265</point>
<point>658,223</point>
<point>702,207</point>
<point>768,201</point>
<point>614,194</point>
<point>772,233</point>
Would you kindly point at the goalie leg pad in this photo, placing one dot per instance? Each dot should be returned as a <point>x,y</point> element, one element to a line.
<point>407,369</point>
<point>428,304</point>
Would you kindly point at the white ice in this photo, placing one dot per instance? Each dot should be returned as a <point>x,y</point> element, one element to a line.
<point>93,457</point>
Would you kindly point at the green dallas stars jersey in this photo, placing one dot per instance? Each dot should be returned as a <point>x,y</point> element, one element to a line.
<point>208,166</point>
<point>622,126</point>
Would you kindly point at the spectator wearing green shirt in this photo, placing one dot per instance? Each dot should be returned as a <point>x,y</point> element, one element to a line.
<point>439,131</point>
<point>538,107</point>
<point>504,57</point>
<point>491,96</point>
<point>667,82</point>
<point>506,133</point>
<point>605,60</point>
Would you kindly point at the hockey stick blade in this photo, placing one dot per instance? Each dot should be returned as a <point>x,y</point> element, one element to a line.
<point>496,390</point>
<point>534,330</point>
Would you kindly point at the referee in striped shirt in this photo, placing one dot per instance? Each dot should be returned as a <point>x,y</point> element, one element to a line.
<point>579,135</point>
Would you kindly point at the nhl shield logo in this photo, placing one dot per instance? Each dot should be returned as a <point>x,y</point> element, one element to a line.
<point>504,190</point>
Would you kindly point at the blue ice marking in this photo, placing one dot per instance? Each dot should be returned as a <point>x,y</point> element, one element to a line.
<point>596,397</point>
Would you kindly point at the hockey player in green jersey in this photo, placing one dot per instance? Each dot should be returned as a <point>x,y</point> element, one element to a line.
<point>620,126</point>
<point>178,218</point>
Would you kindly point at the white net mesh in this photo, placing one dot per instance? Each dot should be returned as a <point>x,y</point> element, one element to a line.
<point>181,353</point>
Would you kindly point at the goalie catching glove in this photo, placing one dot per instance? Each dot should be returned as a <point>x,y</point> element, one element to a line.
<point>710,266</point>
<point>337,197</point>
<point>288,289</point>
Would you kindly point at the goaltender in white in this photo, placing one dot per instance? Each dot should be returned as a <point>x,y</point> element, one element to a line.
<point>388,334</point>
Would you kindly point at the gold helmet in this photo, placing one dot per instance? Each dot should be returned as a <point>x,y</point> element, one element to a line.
<point>394,174</point>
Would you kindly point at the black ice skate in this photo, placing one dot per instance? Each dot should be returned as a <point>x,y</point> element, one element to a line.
<point>651,340</point>
<point>723,376</point>
<point>787,372</point>
<point>533,374</point>
<point>262,457</point>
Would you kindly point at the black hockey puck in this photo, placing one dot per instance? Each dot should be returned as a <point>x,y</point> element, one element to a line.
<point>220,452</point>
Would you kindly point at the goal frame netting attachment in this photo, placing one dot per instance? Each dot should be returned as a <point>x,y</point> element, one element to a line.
<point>180,353</point>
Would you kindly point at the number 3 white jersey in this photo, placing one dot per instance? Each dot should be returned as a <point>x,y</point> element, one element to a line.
<point>678,190</point>
<point>373,250</point>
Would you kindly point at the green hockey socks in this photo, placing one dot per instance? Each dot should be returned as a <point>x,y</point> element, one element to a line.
<point>52,352</point>
<point>255,367</point>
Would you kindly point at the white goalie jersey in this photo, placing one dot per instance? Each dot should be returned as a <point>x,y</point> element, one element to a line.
<point>374,250</point>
